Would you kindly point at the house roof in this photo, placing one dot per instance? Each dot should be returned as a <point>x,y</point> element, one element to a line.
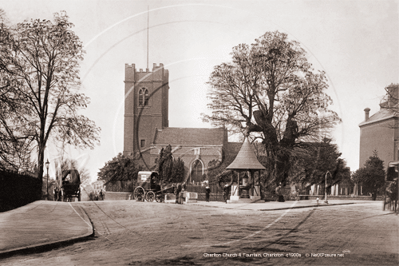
<point>382,114</point>
<point>190,136</point>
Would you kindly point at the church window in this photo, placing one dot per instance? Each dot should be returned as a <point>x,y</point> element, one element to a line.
<point>196,173</point>
<point>143,97</point>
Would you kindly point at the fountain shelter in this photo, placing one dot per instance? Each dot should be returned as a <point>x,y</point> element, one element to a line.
<point>246,190</point>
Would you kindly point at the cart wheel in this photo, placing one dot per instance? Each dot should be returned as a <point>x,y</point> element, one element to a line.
<point>80,192</point>
<point>139,194</point>
<point>150,196</point>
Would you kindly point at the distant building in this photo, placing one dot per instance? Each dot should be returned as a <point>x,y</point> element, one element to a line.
<point>380,131</point>
<point>147,131</point>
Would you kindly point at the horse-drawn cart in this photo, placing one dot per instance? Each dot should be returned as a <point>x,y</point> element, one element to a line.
<point>71,185</point>
<point>149,187</point>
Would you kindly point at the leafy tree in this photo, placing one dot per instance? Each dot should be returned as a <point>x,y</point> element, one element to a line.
<point>120,168</point>
<point>311,161</point>
<point>271,89</point>
<point>39,70</point>
<point>170,170</point>
<point>177,173</point>
<point>371,176</point>
<point>165,164</point>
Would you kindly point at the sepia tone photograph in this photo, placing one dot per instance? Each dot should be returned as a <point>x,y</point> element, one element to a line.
<point>171,132</point>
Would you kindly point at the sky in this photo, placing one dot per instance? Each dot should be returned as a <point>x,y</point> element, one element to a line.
<point>355,42</point>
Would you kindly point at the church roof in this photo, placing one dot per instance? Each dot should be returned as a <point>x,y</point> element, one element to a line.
<point>246,159</point>
<point>232,148</point>
<point>382,114</point>
<point>190,136</point>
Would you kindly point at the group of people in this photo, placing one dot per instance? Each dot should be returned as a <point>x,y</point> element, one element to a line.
<point>99,195</point>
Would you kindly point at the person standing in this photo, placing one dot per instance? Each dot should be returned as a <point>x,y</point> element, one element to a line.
<point>207,193</point>
<point>177,192</point>
<point>101,197</point>
<point>279,193</point>
<point>226,192</point>
<point>55,193</point>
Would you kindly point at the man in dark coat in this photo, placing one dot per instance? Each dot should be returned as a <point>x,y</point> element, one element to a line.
<point>207,193</point>
<point>226,192</point>
<point>279,193</point>
<point>56,191</point>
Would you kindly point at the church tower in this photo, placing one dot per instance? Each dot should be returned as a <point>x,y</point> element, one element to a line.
<point>146,107</point>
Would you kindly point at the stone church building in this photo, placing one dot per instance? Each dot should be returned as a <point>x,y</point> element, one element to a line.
<point>147,131</point>
<point>380,131</point>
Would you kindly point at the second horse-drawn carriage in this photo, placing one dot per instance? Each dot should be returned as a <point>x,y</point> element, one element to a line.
<point>149,188</point>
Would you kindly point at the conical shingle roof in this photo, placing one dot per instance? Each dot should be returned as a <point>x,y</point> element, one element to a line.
<point>246,159</point>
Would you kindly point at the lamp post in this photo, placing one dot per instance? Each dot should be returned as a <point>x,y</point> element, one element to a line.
<point>47,165</point>
<point>325,188</point>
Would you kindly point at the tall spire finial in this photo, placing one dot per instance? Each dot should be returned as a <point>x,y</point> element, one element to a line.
<point>148,34</point>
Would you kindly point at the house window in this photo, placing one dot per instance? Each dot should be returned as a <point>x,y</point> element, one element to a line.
<point>142,143</point>
<point>143,97</point>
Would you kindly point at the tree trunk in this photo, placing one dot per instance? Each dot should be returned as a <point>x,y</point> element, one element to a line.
<point>40,161</point>
<point>42,146</point>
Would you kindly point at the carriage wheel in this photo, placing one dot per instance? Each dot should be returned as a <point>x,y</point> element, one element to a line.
<point>139,193</point>
<point>80,192</point>
<point>150,196</point>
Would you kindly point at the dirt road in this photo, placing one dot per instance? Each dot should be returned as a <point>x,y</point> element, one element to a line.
<point>130,233</point>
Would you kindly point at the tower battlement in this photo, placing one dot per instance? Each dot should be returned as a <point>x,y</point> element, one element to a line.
<point>154,66</point>
<point>130,66</point>
<point>132,74</point>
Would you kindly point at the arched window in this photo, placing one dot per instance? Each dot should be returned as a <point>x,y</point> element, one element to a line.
<point>143,97</point>
<point>196,171</point>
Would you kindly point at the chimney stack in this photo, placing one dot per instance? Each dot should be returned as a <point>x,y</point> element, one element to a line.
<point>366,113</point>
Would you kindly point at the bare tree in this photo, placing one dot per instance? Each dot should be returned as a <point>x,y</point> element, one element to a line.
<point>390,102</point>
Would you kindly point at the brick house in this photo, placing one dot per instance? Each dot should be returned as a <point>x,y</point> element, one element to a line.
<point>380,131</point>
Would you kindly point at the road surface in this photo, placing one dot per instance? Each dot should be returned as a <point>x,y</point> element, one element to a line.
<point>135,233</point>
